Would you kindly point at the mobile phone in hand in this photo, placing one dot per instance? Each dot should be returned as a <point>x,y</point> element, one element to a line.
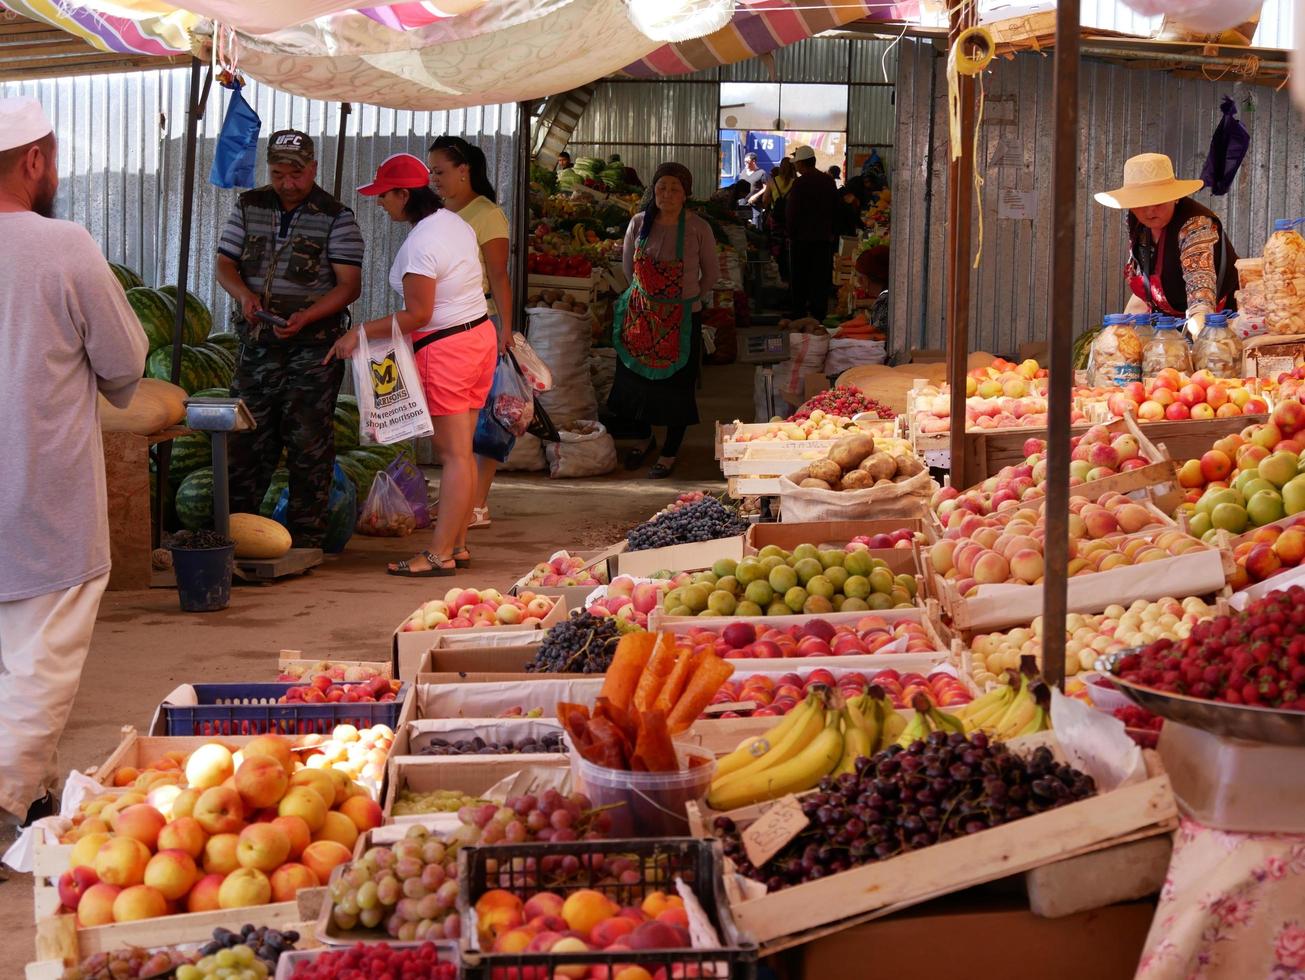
<point>271,318</point>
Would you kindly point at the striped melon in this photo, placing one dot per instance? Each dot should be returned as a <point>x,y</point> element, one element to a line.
<point>199,321</point>
<point>156,312</point>
<point>229,342</point>
<point>189,453</point>
<point>346,432</point>
<point>212,393</point>
<point>127,278</point>
<point>195,368</point>
<point>195,500</point>
<point>258,537</point>
<point>280,481</point>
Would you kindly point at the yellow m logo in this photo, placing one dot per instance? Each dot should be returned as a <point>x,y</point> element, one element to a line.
<point>385,375</point>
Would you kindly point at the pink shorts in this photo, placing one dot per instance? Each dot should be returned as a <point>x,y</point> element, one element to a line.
<point>458,371</point>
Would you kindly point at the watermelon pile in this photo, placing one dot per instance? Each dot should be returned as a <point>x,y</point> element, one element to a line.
<point>127,278</point>
<point>206,365</point>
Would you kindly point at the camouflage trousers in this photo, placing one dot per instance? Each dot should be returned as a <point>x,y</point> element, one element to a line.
<point>291,396</point>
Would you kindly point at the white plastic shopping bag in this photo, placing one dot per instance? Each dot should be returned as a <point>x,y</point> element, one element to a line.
<point>391,404</point>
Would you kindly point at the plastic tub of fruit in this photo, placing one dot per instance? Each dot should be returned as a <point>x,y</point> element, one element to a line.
<point>678,932</point>
<point>358,957</point>
<point>259,709</point>
<point>646,804</point>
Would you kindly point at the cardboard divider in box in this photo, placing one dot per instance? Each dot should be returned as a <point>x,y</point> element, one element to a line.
<point>1198,571</point>
<point>491,695</point>
<point>290,661</point>
<point>798,914</point>
<point>599,562</point>
<point>419,733</point>
<point>409,646</point>
<point>459,659</point>
<point>59,941</point>
<point>831,534</point>
<point>678,557</point>
<point>471,774</point>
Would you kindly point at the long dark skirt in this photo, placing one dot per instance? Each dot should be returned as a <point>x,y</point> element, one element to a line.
<point>666,401</point>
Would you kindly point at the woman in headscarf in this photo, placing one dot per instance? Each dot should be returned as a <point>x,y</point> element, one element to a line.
<point>670,260</point>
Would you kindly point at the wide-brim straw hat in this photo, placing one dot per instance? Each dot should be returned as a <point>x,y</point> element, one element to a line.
<point>1148,180</point>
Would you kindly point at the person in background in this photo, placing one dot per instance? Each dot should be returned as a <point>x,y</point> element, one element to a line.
<point>629,176</point>
<point>670,260</point>
<point>781,182</point>
<point>731,197</point>
<point>438,273</point>
<point>872,280</point>
<point>68,336</point>
<point>810,219</point>
<point>460,177</point>
<point>836,174</point>
<point>292,252</point>
<point>758,186</point>
<point>563,162</point>
<point>1180,261</point>
<point>847,216</point>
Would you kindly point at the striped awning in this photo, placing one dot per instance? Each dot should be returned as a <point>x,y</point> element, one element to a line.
<point>761,26</point>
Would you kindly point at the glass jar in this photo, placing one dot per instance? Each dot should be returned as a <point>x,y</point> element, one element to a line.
<point>1166,349</point>
<point>1218,350</point>
<point>1116,353</point>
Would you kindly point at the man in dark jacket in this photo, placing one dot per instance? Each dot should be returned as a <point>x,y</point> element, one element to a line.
<point>810,216</point>
<point>292,253</point>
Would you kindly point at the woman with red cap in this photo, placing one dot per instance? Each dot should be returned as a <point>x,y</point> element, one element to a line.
<point>438,274</point>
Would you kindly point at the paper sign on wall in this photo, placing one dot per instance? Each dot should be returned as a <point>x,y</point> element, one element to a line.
<point>1017,205</point>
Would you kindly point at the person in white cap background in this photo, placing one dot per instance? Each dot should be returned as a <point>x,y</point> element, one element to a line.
<point>1180,261</point>
<point>810,216</point>
<point>67,335</point>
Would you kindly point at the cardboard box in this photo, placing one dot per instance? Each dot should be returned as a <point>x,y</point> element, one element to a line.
<point>955,936</point>
<point>678,557</point>
<point>472,774</point>
<point>1269,355</point>
<point>835,535</point>
<point>409,647</point>
<point>487,696</point>
<point>598,561</point>
<point>469,659</point>
<point>422,731</point>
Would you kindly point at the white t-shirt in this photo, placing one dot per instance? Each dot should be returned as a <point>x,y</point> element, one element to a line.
<point>443,247</point>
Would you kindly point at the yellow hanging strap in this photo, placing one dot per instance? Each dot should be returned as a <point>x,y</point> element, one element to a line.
<point>960,62</point>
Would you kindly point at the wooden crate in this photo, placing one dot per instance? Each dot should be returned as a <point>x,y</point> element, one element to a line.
<point>471,774</point>
<point>804,912</point>
<point>288,659</point>
<point>729,446</point>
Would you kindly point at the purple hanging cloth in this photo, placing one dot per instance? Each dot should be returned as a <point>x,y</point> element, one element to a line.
<point>1227,149</point>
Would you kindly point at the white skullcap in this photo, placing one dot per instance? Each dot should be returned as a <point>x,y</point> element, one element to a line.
<point>22,121</point>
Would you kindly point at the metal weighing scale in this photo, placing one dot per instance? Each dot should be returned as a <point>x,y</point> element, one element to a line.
<point>219,417</point>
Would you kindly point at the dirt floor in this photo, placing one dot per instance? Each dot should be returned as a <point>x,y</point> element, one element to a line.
<point>346,609</point>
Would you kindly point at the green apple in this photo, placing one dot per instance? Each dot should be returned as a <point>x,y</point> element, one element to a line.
<point>1293,495</point>
<point>1229,516</point>
<point>1265,508</point>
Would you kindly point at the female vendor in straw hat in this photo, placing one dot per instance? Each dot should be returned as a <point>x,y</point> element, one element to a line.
<point>1180,260</point>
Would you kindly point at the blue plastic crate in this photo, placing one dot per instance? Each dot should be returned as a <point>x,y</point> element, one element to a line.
<point>252,709</point>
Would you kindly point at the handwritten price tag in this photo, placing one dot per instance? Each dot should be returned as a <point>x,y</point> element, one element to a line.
<point>767,836</point>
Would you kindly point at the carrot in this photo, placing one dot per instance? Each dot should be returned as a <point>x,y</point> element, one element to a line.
<point>632,654</point>
<point>707,679</point>
<point>659,667</point>
<point>676,681</point>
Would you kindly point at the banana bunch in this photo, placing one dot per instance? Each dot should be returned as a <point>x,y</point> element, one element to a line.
<point>578,234</point>
<point>1009,711</point>
<point>928,718</point>
<point>793,756</point>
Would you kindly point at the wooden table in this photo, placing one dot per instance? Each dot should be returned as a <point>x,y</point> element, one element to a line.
<point>127,479</point>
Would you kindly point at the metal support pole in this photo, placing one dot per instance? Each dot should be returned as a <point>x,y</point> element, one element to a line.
<point>1064,190</point>
<point>960,199</point>
<point>521,214</point>
<point>345,110</point>
<point>221,486</point>
<point>196,99</point>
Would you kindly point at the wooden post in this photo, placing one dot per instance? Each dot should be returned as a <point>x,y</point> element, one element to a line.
<point>960,199</point>
<point>338,178</point>
<point>1064,190</point>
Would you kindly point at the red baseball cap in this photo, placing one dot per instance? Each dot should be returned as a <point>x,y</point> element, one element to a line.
<point>400,170</point>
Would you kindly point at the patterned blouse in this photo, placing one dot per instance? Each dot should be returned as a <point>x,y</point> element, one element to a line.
<point>1197,240</point>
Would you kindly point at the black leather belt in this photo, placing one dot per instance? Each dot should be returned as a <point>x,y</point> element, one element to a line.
<point>430,338</point>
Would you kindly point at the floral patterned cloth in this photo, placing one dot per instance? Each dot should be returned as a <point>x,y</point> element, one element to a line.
<point>1197,240</point>
<point>1232,908</point>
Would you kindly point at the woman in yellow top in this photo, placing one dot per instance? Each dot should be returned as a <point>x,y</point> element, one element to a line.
<point>777,190</point>
<point>460,177</point>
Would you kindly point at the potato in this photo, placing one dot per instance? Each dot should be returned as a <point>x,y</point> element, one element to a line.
<point>562,305</point>
<point>551,295</point>
<point>909,466</point>
<point>883,483</point>
<point>800,475</point>
<point>880,466</point>
<point>827,470</point>
<point>815,484</point>
<point>857,480</point>
<point>849,451</point>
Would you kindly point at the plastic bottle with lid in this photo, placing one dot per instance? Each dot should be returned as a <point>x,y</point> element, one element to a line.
<point>1166,349</point>
<point>1218,350</point>
<point>1284,268</point>
<point>1116,357</point>
<point>1144,327</point>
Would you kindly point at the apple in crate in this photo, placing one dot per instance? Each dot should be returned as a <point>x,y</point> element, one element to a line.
<point>478,608</point>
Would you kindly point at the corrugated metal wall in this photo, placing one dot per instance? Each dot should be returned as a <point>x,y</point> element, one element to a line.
<point>121,159</point>
<point>1124,111</point>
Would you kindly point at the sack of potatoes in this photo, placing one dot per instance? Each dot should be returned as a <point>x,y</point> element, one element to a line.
<point>555,299</point>
<point>856,463</point>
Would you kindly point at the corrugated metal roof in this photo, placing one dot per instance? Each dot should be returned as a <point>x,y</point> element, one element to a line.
<point>121,170</point>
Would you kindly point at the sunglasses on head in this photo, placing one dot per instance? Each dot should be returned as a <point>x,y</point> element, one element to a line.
<point>455,146</point>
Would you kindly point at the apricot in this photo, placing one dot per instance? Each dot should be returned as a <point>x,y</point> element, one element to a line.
<point>586,908</point>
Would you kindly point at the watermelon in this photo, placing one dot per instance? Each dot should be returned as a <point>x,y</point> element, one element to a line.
<point>357,474</point>
<point>229,342</point>
<point>280,482</point>
<point>189,453</point>
<point>156,312</point>
<point>219,371</point>
<point>195,500</point>
<point>199,321</point>
<point>195,368</point>
<point>346,432</point>
<point>221,353</point>
<point>127,278</point>
<point>211,393</point>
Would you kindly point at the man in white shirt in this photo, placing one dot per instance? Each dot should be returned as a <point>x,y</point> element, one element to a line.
<point>67,335</point>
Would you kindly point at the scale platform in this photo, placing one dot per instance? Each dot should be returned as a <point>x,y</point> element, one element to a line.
<point>296,561</point>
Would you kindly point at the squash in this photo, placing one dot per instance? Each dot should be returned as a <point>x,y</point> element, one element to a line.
<point>257,537</point>
<point>155,406</point>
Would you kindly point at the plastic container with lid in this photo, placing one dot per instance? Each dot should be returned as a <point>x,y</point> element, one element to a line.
<point>1166,349</point>
<point>1284,279</point>
<point>1144,327</point>
<point>1218,350</point>
<point>651,804</point>
<point>1116,357</point>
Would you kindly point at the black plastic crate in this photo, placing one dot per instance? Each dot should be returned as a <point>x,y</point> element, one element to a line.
<point>253,709</point>
<point>658,862</point>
